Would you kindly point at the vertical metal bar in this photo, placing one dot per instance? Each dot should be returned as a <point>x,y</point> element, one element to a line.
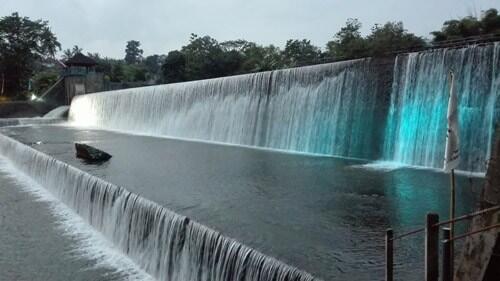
<point>432,248</point>
<point>452,212</point>
<point>447,258</point>
<point>389,255</point>
<point>3,84</point>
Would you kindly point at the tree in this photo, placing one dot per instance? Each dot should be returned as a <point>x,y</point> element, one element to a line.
<point>117,73</point>
<point>300,52</point>
<point>203,57</point>
<point>229,63</point>
<point>258,58</point>
<point>42,81</point>
<point>153,66</point>
<point>69,53</point>
<point>174,67</point>
<point>348,42</point>
<point>469,26</point>
<point>253,57</point>
<point>134,73</point>
<point>272,59</point>
<point>23,42</point>
<point>133,54</point>
<point>391,37</point>
<point>490,21</point>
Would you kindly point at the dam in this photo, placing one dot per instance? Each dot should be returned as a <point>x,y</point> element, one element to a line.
<point>285,175</point>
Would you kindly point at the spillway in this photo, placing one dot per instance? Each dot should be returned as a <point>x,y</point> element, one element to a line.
<point>166,245</point>
<point>416,128</point>
<point>326,109</point>
<point>343,109</point>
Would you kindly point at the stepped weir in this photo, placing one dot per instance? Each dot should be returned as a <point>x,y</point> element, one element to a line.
<point>166,245</point>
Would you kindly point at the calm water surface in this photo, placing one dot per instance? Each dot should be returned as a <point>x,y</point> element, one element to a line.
<point>324,215</point>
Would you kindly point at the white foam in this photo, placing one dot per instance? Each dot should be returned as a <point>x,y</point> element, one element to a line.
<point>91,244</point>
<point>386,166</point>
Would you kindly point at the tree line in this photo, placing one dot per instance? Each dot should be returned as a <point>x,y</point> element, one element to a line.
<point>26,45</point>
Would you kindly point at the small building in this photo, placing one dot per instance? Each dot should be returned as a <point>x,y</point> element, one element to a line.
<point>79,64</point>
<point>80,77</point>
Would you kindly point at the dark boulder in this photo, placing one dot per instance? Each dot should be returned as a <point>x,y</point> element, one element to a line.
<point>91,154</point>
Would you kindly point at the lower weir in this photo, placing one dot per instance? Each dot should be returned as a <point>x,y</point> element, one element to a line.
<point>166,245</point>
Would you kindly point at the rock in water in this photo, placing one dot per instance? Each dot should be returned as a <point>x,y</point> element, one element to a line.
<point>91,154</point>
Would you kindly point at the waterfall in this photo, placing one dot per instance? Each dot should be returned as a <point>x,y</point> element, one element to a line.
<point>325,109</point>
<point>29,121</point>
<point>166,245</point>
<point>342,109</point>
<point>416,127</point>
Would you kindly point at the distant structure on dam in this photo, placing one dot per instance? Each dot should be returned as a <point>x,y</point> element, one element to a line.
<point>80,77</point>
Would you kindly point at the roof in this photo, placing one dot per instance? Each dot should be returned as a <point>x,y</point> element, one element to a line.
<point>80,60</point>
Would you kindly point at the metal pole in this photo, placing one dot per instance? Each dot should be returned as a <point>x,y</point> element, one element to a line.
<point>452,215</point>
<point>3,84</point>
<point>447,259</point>
<point>432,248</point>
<point>389,255</point>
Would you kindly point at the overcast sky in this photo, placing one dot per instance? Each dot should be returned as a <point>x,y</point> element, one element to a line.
<point>104,26</point>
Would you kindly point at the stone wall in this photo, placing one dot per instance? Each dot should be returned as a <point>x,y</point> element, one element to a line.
<point>481,254</point>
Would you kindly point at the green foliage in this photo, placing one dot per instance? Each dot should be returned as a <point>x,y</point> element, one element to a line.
<point>174,67</point>
<point>204,58</point>
<point>23,43</point>
<point>489,23</point>
<point>255,57</point>
<point>272,58</point>
<point>104,65</point>
<point>348,42</point>
<point>133,54</point>
<point>152,65</point>
<point>134,73</point>
<point>391,37</point>
<point>383,40</point>
<point>300,52</point>
<point>69,53</point>
<point>42,81</point>
<point>117,73</point>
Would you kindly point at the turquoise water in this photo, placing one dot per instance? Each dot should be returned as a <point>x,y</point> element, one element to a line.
<point>416,127</point>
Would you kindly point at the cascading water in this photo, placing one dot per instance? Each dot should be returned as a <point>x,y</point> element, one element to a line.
<point>166,245</point>
<point>326,109</point>
<point>416,128</point>
<point>334,109</point>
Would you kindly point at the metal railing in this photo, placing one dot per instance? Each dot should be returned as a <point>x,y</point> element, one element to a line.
<point>431,230</point>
